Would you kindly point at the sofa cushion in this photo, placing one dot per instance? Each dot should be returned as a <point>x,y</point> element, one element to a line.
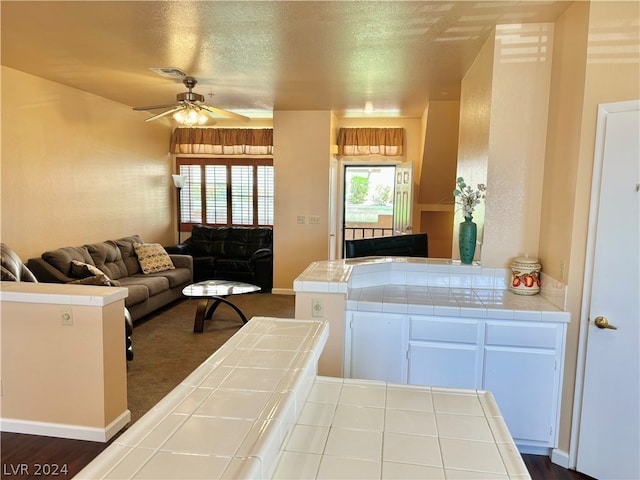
<point>138,293</point>
<point>243,241</point>
<point>62,257</point>
<point>207,241</point>
<point>230,265</point>
<point>125,244</point>
<point>154,284</point>
<point>153,257</point>
<point>176,277</point>
<point>107,257</point>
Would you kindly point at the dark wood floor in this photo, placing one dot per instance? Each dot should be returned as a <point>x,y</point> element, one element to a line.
<point>30,456</point>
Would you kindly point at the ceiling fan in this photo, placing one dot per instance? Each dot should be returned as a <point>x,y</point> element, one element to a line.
<point>190,108</point>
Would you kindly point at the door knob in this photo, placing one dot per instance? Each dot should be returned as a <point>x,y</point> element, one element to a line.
<point>602,322</point>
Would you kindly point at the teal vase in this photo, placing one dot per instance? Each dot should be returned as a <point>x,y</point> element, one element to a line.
<point>467,240</point>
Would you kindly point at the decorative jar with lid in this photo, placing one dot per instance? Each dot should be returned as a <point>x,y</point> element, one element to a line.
<point>525,276</point>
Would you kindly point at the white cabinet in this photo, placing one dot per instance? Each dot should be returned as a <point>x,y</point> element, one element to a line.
<point>522,368</point>
<point>376,347</point>
<point>444,352</point>
<point>520,362</point>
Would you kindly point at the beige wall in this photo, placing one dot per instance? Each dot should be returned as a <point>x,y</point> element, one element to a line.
<point>77,168</point>
<point>513,99</point>
<point>473,137</point>
<point>602,67</point>
<point>517,139</point>
<point>440,157</point>
<point>79,369</point>
<point>302,153</point>
<point>437,174</point>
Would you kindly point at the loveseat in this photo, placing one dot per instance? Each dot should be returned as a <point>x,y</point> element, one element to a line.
<point>153,277</point>
<point>243,254</point>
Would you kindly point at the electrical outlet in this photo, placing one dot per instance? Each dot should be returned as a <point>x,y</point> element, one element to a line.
<point>314,219</point>
<point>301,219</point>
<point>67,316</point>
<point>317,307</point>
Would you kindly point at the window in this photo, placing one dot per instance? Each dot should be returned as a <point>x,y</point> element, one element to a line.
<point>226,191</point>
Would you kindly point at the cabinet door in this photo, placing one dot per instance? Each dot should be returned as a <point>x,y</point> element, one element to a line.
<point>522,370</point>
<point>444,352</point>
<point>378,347</point>
<point>523,384</point>
<point>442,364</point>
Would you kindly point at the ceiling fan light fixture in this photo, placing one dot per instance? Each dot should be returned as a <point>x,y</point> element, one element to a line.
<point>190,116</point>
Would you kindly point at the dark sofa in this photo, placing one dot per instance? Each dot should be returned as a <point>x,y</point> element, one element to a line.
<point>243,254</point>
<point>118,261</point>
<point>411,245</point>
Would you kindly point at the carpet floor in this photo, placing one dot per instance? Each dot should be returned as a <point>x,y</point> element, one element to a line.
<point>166,350</point>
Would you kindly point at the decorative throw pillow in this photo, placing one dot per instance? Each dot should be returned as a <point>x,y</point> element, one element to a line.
<point>83,271</point>
<point>95,280</point>
<point>153,257</point>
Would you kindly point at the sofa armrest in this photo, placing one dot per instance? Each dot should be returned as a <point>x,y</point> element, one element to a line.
<point>181,249</point>
<point>261,253</point>
<point>47,273</point>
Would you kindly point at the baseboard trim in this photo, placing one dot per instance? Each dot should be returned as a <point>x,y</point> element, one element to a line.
<point>560,458</point>
<point>283,291</point>
<point>61,430</point>
<point>534,450</point>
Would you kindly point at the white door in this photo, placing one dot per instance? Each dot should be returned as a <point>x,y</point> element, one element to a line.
<point>403,199</point>
<point>609,438</point>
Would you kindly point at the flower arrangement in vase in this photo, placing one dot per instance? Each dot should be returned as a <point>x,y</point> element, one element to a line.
<point>468,199</point>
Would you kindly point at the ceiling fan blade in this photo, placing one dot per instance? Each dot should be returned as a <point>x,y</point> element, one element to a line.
<point>209,109</point>
<point>155,107</point>
<point>160,115</point>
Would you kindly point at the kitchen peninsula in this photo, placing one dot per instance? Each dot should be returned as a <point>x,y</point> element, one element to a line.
<point>257,409</point>
<point>440,323</point>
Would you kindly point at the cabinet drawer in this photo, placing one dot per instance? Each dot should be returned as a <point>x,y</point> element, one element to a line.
<point>443,329</point>
<point>521,335</point>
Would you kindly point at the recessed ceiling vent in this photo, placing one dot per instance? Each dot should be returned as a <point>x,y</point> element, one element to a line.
<point>169,72</point>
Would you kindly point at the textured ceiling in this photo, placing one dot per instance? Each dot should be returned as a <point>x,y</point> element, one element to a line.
<point>255,57</point>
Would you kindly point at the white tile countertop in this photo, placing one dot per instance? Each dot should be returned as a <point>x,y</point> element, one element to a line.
<point>60,293</point>
<point>431,287</point>
<point>228,418</point>
<point>256,409</point>
<point>356,429</point>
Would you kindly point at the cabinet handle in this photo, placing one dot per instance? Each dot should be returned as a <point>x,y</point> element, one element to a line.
<point>602,322</point>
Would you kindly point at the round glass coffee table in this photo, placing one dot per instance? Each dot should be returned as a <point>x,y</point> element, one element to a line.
<point>214,292</point>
